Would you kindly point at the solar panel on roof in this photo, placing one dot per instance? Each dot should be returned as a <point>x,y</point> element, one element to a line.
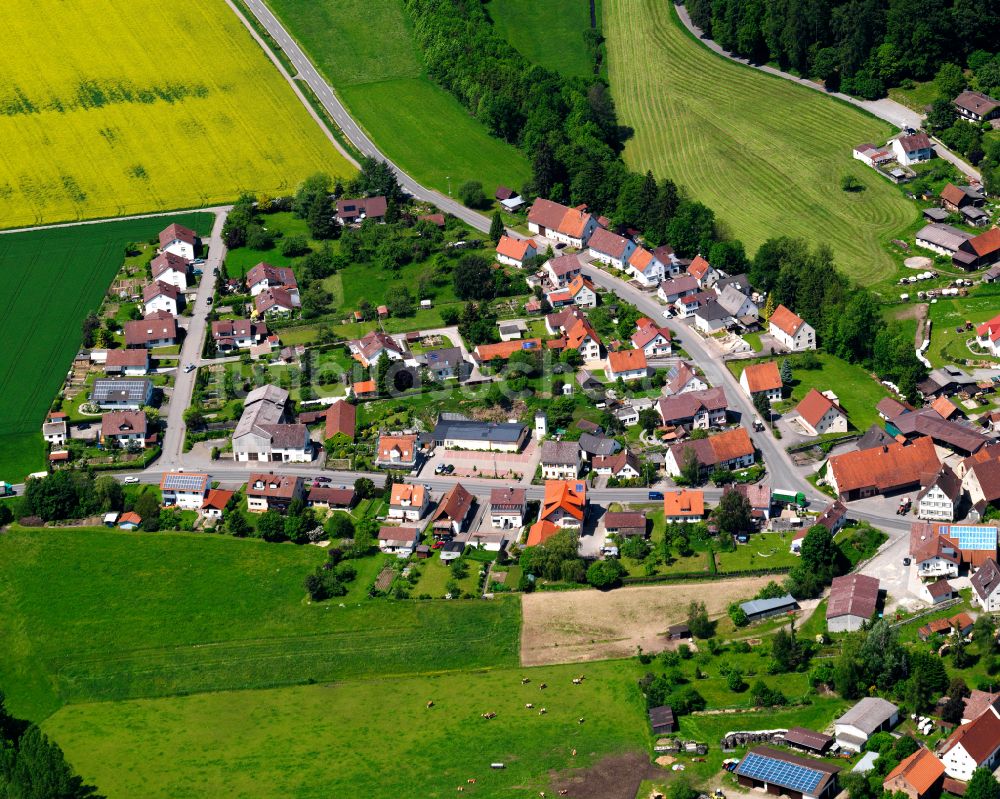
<point>973,536</point>
<point>780,772</point>
<point>184,482</point>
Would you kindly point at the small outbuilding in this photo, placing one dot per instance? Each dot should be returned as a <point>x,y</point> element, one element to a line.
<point>757,609</point>
<point>817,743</point>
<point>662,720</point>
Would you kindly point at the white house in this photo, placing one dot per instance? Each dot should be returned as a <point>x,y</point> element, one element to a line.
<point>369,349</point>
<point>563,269</point>
<point>626,364</point>
<point>682,379</point>
<point>791,331</point>
<point>232,334</point>
<point>276,301</point>
<point>582,337</point>
<point>514,252</point>
<point>986,586</point>
<point>170,268</point>
<point>264,276</point>
<point>686,306</point>
<point>507,508</point>
<point>869,716</point>
<point>972,746</point>
<point>272,491</point>
<point>681,286</point>
<point>653,340</point>
<point>179,240</point>
<point>736,303</point>
<point>263,434</point>
<point>408,502</point>
<point>938,500</point>
<point>125,429</point>
<point>570,226</point>
<point>580,292</point>
<point>54,429</point>
<point>762,378</point>
<point>610,248</point>
<point>934,556</point>
<point>399,541</point>
<point>988,336</point>
<point>820,414</point>
<point>184,489</point>
<point>131,362</point>
<point>645,268</point>
<point>159,296</point>
<point>703,272</point>
<point>712,317</point>
<point>560,460</point>
<point>872,156</point>
<point>913,149</point>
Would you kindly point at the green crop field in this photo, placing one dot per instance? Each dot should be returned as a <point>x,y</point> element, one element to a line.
<point>55,278</point>
<point>766,155</point>
<point>371,738</point>
<point>96,615</point>
<point>366,51</point>
<point>549,33</point>
<point>159,106</point>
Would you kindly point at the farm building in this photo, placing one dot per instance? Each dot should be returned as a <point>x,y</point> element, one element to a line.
<point>571,226</point>
<point>853,601</point>
<point>662,720</point>
<point>757,609</point>
<point>783,773</point>
<point>883,470</point>
<point>869,716</point>
<point>809,740</point>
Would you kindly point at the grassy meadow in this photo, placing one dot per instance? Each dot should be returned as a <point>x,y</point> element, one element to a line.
<point>366,51</point>
<point>97,615</point>
<point>549,34</point>
<point>42,326</point>
<point>157,107</point>
<point>766,155</point>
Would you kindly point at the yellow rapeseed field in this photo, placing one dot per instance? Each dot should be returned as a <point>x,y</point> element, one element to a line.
<point>112,107</point>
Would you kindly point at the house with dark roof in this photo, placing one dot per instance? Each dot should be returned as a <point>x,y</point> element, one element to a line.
<point>833,517</point>
<point>160,296</point>
<point>170,268</point>
<point>595,446</point>
<point>853,600</point>
<point>263,432</point>
<point>662,720</point>
<point>960,437</point>
<point>986,586</point>
<point>560,460</point>
<point>452,512</point>
<point>625,523</point>
<point>978,251</point>
<point>981,477</point>
<point>938,500</point>
<point>368,349</point>
<point>234,334</point>
<point>610,248</point>
<point>507,507</point>
<point>757,609</point>
<point>455,431</point>
<point>914,148</point>
<point>698,410</point>
<point>817,743</point>
<point>683,285</point>
<point>682,379</point>
<point>729,450</point>
<point>652,339</point>
<point>276,302</point>
<point>976,106</point>
<point>319,496</point>
<point>272,492</point>
<point>399,541</point>
<point>956,198</point>
<point>350,211</point>
<point>940,591</point>
<point>112,393</point>
<point>125,429</point>
<point>130,362</point>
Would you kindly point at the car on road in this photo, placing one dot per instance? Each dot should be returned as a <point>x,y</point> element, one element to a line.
<point>130,480</point>
<point>906,561</point>
<point>656,495</point>
<point>323,480</point>
<point>189,368</point>
<point>208,301</point>
<point>758,425</point>
<point>198,261</point>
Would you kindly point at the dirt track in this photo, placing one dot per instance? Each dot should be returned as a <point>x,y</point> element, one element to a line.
<point>574,626</point>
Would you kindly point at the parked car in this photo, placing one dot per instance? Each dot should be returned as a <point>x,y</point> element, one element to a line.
<point>83,426</point>
<point>189,368</point>
<point>323,480</point>
<point>439,469</point>
<point>208,301</point>
<point>130,480</point>
<point>656,495</point>
<point>448,469</point>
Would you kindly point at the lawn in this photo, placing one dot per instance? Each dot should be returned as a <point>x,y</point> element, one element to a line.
<point>765,551</point>
<point>100,615</point>
<point>373,738</point>
<point>42,326</point>
<point>858,393</point>
<point>113,119</point>
<point>365,49</point>
<point>949,313</point>
<point>766,155</point>
<point>549,34</point>
<point>917,98</point>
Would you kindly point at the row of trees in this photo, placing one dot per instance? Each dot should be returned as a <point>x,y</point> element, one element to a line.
<point>858,46</point>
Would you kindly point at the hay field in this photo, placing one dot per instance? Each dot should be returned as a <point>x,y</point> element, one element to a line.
<point>125,106</point>
<point>765,154</point>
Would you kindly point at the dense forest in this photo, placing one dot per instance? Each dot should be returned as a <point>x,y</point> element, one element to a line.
<point>861,47</point>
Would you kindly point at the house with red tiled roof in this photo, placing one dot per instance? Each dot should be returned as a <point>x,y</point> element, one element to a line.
<point>265,276</point>
<point>883,470</point>
<point>514,252</point>
<point>130,362</point>
<point>729,450</point>
<point>350,210</point>
<point>171,268</point>
<point>368,349</point>
<point>652,339</point>
<point>972,746</point>
<point>396,451</point>
<point>562,269</point>
<point>623,465</point>
<point>564,506</point>
<point>645,268</point>
<point>452,511</point>
<point>408,502</point>
<point>179,240</point>
<point>126,429</point>
<point>610,248</point>
<point>914,148</point>
<point>484,353</point>
<point>582,337</point>
<point>340,420</point>
<point>682,379</point>
<point>214,504</point>
<point>234,334</point>
<point>919,776</point>
<point>626,364</point>
<point>157,329</point>
<point>988,336</point>
<point>979,702</point>
<point>819,414</point>
<point>762,378</point>
<point>159,296</point>
<point>702,271</point>
<point>276,301</point>
<point>698,410</point>
<point>791,330</point>
<point>571,226</point>
<point>683,505</point>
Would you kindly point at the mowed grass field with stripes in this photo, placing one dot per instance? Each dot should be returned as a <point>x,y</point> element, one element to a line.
<point>130,106</point>
<point>766,155</point>
<point>53,279</point>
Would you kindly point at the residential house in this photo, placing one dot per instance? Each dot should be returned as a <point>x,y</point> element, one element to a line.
<point>560,460</point>
<point>557,323</point>
<point>976,106</point>
<point>399,541</point>
<point>682,379</point>
<point>942,239</point>
<point>683,505</point>
<point>833,517</point>
<point>883,470</point>
<point>627,524</point>
<point>919,776</point>
<point>446,363</point>
<point>129,362</point>
<point>652,339</point>
<point>670,291</point>
<point>762,378</point>
<point>514,252</point>
<point>507,508</point>
<point>958,198</point>
<point>870,715</point>
<point>54,429</point>
<point>215,502</point>
<point>170,268</point>
<point>686,306</point>
<point>582,337</point>
<point>564,505</point>
<point>571,226</point>
<point>791,331</point>
<point>237,334</point>
<point>610,248</point>
<point>645,268</point>
<point>179,240</point>
<point>184,490</point>
<point>623,465</point>
<point>939,499</point>
<point>368,349</point>
<point>979,251</point>
<point>729,450</point>
<point>272,491</point>
<point>158,329</point>
<point>125,429</point>
<point>873,156</point>
<point>702,271</point>
<point>112,393</point>
<point>758,497</point>
<point>981,478</point>
<point>563,269</point>
<point>737,304</point>
<point>350,211</point>
<point>777,772</point>
<point>758,609</point>
<point>455,431</point>
<point>159,296</point>
<point>974,544</point>
<point>582,292</point>
<point>276,302</point>
<point>592,445</point>
<point>940,591</point>
<point>264,433</point>
<point>326,497</point>
<point>627,365</point>
<point>819,414</point>
<point>452,512</point>
<point>853,600</point>
<point>986,586</point>
<point>914,148</point>
<point>408,502</point>
<point>396,451</point>
<point>979,702</point>
<point>340,419</point>
<point>698,410</point>
<point>486,353</point>
<point>972,746</point>
<point>711,317</point>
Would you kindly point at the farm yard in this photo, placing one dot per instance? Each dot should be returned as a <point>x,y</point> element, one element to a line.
<point>766,155</point>
<point>366,51</point>
<point>114,119</point>
<point>81,262</point>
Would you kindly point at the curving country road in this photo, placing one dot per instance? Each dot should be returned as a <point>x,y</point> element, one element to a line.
<point>308,73</point>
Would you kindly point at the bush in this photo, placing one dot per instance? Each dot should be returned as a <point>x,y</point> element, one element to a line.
<point>292,246</point>
<point>472,195</point>
<point>605,574</point>
<point>851,184</point>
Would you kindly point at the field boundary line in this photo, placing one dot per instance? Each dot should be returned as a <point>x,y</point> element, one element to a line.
<point>213,209</point>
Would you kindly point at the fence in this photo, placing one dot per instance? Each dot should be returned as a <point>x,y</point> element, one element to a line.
<point>689,576</point>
